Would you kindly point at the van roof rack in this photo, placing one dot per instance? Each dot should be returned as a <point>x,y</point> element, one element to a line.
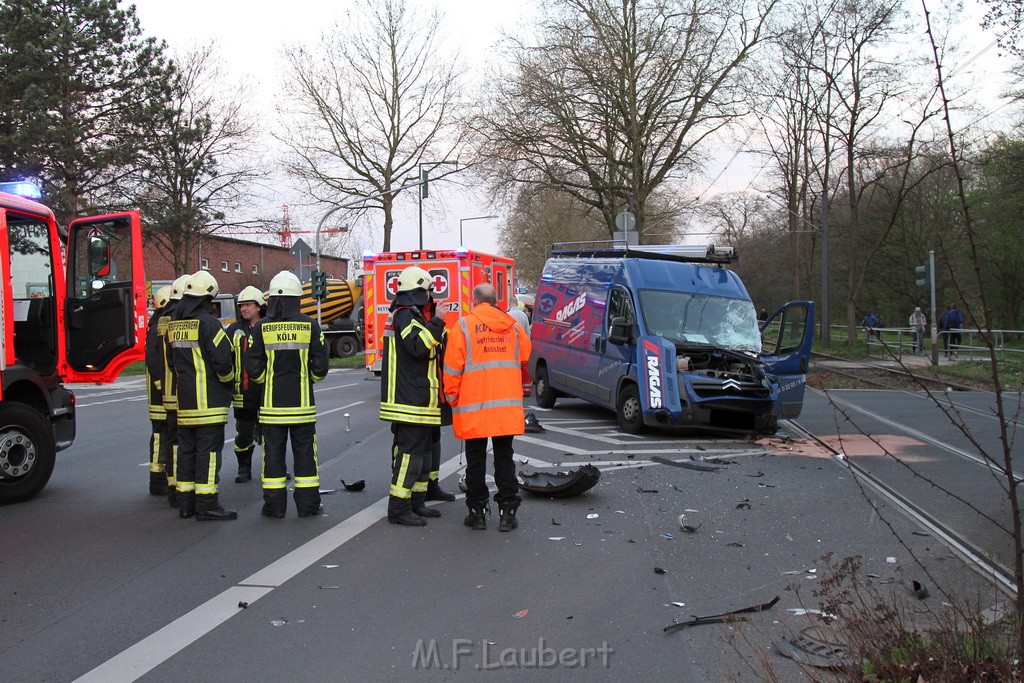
<point>689,253</point>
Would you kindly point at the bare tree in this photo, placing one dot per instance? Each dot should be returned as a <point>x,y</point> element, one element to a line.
<point>615,97</point>
<point>373,102</point>
<point>197,164</point>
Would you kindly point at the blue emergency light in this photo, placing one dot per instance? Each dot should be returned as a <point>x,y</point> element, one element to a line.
<point>22,188</point>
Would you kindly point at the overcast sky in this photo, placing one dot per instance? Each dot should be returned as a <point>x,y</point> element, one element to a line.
<point>249,37</point>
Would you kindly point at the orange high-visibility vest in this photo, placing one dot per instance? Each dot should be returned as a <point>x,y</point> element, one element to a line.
<point>483,378</point>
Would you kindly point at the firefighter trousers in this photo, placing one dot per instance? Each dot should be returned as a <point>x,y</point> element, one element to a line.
<point>275,468</point>
<point>156,466</point>
<point>199,460</point>
<point>248,433</point>
<point>410,466</point>
<point>169,448</point>
<point>504,472</point>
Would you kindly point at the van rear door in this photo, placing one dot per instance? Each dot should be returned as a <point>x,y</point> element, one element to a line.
<point>786,339</point>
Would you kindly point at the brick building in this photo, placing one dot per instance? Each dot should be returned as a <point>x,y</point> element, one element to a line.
<point>238,263</point>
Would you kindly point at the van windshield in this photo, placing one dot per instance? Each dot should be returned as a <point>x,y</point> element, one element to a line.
<point>724,323</point>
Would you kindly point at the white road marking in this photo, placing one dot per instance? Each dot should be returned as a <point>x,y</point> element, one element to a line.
<point>157,648</point>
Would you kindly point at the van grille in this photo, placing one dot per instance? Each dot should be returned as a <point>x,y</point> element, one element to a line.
<point>726,389</point>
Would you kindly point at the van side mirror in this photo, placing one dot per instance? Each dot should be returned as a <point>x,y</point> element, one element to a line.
<point>621,332</point>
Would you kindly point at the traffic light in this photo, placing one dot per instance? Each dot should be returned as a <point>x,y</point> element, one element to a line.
<point>424,180</point>
<point>319,281</point>
<point>924,276</point>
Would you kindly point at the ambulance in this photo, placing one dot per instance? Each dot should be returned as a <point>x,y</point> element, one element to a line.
<point>455,273</point>
<point>666,336</point>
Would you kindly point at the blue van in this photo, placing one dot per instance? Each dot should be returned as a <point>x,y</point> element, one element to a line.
<point>666,336</point>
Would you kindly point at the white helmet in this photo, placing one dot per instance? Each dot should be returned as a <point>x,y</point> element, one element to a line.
<point>251,295</point>
<point>413,278</point>
<point>162,296</point>
<point>178,287</point>
<point>285,283</point>
<point>201,283</point>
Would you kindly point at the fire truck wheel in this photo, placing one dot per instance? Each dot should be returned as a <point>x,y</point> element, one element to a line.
<point>345,347</point>
<point>27,452</point>
<point>628,410</point>
<point>543,394</point>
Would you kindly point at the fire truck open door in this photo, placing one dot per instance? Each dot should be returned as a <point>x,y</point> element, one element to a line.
<point>105,311</point>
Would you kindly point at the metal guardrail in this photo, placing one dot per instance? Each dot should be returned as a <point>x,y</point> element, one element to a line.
<point>901,340</point>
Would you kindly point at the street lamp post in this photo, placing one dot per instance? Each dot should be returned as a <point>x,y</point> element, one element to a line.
<point>473,218</point>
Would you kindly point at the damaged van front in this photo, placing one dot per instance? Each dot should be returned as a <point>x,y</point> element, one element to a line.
<point>666,336</point>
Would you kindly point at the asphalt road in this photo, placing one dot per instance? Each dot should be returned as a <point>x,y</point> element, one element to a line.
<point>102,582</point>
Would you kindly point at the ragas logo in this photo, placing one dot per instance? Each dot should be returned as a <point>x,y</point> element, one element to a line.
<point>652,361</point>
<point>571,307</point>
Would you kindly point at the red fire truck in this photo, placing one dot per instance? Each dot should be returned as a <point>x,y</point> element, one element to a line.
<point>456,272</point>
<point>74,311</point>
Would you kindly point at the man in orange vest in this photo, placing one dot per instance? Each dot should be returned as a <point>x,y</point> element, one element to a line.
<point>483,382</point>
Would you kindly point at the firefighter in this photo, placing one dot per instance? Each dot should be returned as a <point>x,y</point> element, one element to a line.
<point>154,381</point>
<point>483,382</point>
<point>287,355</point>
<point>169,390</point>
<point>246,400</point>
<point>202,359</point>
<point>410,394</point>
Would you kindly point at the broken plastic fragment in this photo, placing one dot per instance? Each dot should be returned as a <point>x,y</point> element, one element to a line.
<point>891,560</point>
<point>354,486</point>
<point>668,536</point>
<point>325,492</point>
<point>331,566</point>
<point>555,523</point>
<point>593,515</point>
<point>679,604</point>
<point>330,588</point>
<point>659,570</point>
<point>243,604</point>
<point>920,590</point>
<point>520,614</point>
<point>556,538</point>
<point>278,622</point>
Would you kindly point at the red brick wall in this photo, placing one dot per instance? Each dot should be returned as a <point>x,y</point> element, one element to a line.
<point>267,259</point>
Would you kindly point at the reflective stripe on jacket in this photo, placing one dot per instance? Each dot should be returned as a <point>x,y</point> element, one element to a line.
<point>201,356</point>
<point>287,356</point>
<point>245,392</point>
<point>483,374</point>
<point>410,383</point>
<point>155,368</point>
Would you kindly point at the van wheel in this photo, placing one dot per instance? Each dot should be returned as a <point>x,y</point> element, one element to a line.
<point>629,412</point>
<point>543,394</point>
<point>27,452</point>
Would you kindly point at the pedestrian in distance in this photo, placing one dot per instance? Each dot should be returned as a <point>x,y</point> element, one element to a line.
<point>954,323</point>
<point>944,330</point>
<point>410,393</point>
<point>869,323</point>
<point>154,383</point>
<point>918,324</point>
<point>246,396</point>
<point>287,356</point>
<point>201,354</point>
<point>483,371</point>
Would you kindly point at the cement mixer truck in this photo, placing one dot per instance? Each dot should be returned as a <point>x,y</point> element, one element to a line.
<point>341,315</point>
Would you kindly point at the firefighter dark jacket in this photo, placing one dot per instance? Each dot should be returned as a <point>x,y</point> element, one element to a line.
<point>246,393</point>
<point>287,355</point>
<point>155,366</point>
<point>169,382</point>
<point>202,360</point>
<point>410,387</point>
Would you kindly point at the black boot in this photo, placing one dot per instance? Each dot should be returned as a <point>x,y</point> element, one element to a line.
<point>244,465</point>
<point>157,484</point>
<point>507,517</point>
<point>318,510</point>
<point>435,492</point>
<point>407,519</point>
<point>419,506</point>
<point>186,504</point>
<point>476,518</point>
<point>209,509</point>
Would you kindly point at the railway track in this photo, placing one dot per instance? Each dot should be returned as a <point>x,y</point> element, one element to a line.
<point>882,376</point>
<point>972,554</point>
